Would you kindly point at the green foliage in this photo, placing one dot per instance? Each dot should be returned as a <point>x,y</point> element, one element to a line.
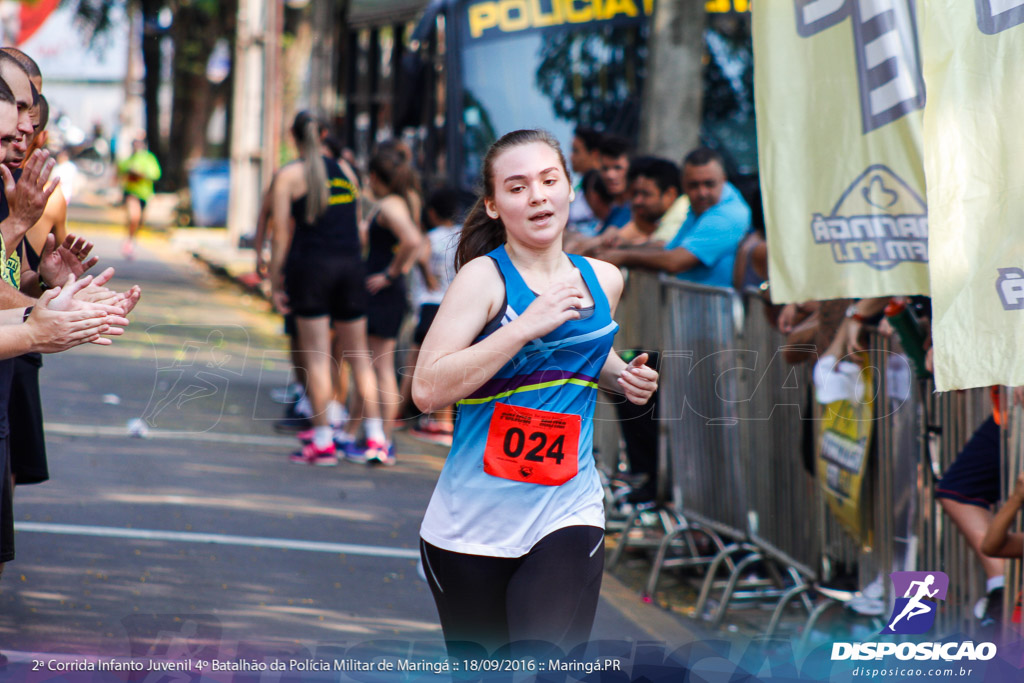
<point>602,86</point>
<point>94,17</point>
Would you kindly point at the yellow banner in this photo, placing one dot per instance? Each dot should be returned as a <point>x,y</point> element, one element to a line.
<point>842,459</point>
<point>839,93</point>
<point>973,56</point>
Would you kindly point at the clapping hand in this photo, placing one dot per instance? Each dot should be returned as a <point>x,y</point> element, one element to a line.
<point>70,258</point>
<point>59,321</point>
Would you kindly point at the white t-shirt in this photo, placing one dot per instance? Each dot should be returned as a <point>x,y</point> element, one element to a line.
<point>444,240</point>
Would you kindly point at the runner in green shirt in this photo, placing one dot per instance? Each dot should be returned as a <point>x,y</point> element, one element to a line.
<point>137,174</point>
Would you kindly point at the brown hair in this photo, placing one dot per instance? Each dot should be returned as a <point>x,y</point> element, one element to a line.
<point>480,232</point>
<point>308,131</point>
<point>392,164</point>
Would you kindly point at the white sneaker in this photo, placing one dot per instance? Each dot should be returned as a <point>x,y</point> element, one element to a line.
<point>288,394</point>
<point>337,415</point>
<point>303,408</point>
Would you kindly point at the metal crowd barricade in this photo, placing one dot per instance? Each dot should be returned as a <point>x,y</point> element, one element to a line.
<point>782,529</point>
<point>651,305</point>
<point>700,413</point>
<point>890,490</point>
<point>917,435</point>
<point>710,371</point>
<point>732,421</point>
<point>776,414</point>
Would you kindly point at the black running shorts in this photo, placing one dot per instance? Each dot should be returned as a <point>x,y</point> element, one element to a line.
<point>25,411</point>
<point>973,478</point>
<point>386,311</point>
<point>331,285</point>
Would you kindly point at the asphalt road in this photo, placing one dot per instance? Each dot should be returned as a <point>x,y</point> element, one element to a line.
<point>201,539</point>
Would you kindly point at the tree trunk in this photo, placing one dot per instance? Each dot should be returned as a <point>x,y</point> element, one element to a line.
<point>151,61</point>
<point>673,89</point>
<point>195,32</point>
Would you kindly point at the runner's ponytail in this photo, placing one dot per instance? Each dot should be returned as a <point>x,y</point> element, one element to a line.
<point>480,235</point>
<point>308,132</point>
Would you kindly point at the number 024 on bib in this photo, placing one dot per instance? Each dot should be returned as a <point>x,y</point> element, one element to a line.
<point>532,446</point>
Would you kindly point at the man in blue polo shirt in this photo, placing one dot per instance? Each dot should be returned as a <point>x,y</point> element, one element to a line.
<point>704,249</point>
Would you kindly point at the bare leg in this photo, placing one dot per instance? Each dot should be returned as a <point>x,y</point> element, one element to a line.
<point>973,522</point>
<point>351,339</point>
<point>446,416</point>
<point>134,207</point>
<point>406,385</point>
<point>341,378</point>
<point>315,342</point>
<point>298,360</point>
<point>387,383</point>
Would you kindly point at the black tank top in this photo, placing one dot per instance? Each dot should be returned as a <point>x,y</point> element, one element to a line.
<point>29,255</point>
<point>383,244</point>
<point>335,231</point>
<point>30,259</point>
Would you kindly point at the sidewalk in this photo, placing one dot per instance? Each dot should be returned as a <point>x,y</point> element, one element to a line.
<point>212,248</point>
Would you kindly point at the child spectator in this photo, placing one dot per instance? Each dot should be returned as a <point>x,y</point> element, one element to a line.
<point>429,282</point>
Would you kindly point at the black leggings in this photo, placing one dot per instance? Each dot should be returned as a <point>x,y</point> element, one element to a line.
<point>548,595</point>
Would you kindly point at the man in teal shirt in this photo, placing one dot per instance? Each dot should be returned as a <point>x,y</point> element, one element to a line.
<point>704,249</point>
<point>138,173</point>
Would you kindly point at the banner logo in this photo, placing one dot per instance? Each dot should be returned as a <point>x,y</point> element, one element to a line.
<point>885,42</point>
<point>878,221</point>
<point>915,612</point>
<point>1010,287</point>
<point>996,16</point>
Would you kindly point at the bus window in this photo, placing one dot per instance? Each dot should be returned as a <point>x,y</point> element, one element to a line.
<point>475,69</point>
<point>524,81</point>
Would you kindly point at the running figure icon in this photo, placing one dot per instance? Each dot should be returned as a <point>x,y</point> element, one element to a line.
<point>914,606</point>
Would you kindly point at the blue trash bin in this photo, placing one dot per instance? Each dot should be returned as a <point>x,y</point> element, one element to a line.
<point>209,183</point>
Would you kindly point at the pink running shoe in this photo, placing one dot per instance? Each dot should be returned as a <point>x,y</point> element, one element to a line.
<point>378,453</point>
<point>311,455</point>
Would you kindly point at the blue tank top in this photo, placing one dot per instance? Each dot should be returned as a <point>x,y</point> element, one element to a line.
<point>474,512</point>
<point>336,231</point>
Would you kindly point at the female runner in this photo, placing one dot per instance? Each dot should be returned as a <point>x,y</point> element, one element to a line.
<point>512,542</point>
<point>316,272</point>
<point>394,239</point>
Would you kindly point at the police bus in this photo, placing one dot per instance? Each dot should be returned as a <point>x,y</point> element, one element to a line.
<point>451,76</point>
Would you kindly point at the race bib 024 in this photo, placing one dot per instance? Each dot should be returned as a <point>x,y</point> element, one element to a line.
<point>532,446</point>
